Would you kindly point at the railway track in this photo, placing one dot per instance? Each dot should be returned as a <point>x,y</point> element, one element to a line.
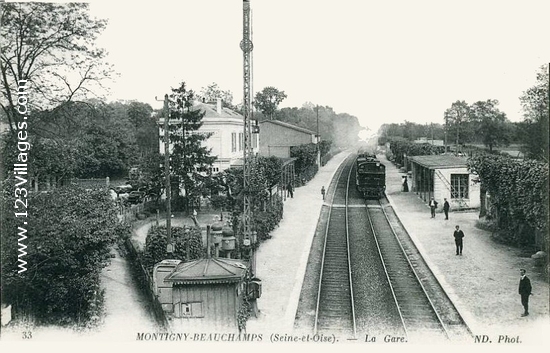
<point>383,285</point>
<point>335,310</point>
<point>417,312</point>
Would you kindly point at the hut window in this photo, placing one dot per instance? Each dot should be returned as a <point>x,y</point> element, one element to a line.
<point>459,186</point>
<point>191,309</point>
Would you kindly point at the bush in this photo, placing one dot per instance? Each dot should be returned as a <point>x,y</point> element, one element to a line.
<point>267,221</point>
<point>69,238</point>
<point>519,196</point>
<point>156,242</point>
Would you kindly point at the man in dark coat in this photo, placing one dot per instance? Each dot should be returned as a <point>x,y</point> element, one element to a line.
<point>433,206</point>
<point>458,234</point>
<point>446,207</point>
<point>290,190</point>
<point>524,291</point>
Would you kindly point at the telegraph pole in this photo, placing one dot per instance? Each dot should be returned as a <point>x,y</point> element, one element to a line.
<point>166,113</point>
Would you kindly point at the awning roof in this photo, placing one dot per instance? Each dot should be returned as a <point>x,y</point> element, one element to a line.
<point>440,161</point>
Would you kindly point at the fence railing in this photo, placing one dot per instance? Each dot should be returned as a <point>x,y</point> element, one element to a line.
<point>146,282</point>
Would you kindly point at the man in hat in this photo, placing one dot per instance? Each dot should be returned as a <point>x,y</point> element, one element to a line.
<point>446,207</point>
<point>458,234</point>
<point>524,291</point>
<point>433,206</point>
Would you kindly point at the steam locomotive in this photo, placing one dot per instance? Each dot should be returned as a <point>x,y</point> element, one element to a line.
<point>370,175</point>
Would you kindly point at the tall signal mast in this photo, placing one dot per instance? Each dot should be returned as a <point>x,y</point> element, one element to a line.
<point>248,160</point>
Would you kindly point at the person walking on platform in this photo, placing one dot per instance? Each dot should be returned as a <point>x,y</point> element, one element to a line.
<point>323,192</point>
<point>524,291</point>
<point>405,184</point>
<point>290,190</point>
<point>458,234</point>
<point>446,207</point>
<point>433,206</point>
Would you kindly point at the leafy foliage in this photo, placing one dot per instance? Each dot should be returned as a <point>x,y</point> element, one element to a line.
<point>69,236</point>
<point>156,242</point>
<point>400,148</point>
<point>410,131</point>
<point>190,160</point>
<point>490,123</point>
<point>266,221</point>
<point>46,44</point>
<point>268,99</point>
<point>306,161</point>
<point>212,92</point>
<point>456,118</point>
<point>534,128</point>
<point>519,195</point>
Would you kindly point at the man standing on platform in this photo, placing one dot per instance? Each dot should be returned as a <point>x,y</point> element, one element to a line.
<point>323,192</point>
<point>446,207</point>
<point>290,190</point>
<point>458,234</point>
<point>524,291</point>
<point>433,206</point>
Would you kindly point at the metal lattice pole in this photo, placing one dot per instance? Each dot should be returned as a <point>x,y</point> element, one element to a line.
<point>246,46</point>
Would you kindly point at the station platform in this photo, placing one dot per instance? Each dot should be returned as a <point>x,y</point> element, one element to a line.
<point>281,261</point>
<point>483,282</point>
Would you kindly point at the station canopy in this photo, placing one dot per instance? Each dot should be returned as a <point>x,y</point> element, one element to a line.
<point>440,161</point>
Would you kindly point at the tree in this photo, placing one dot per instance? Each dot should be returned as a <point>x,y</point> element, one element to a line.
<point>52,47</point>
<point>455,118</point>
<point>212,92</point>
<point>190,160</point>
<point>268,100</point>
<point>491,123</point>
<point>535,102</point>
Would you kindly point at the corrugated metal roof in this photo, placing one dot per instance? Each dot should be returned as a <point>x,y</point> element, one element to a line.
<point>440,161</point>
<point>203,271</point>
<point>287,125</point>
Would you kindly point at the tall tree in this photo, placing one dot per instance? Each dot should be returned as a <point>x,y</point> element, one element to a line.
<point>268,100</point>
<point>190,159</point>
<point>491,124</point>
<point>455,118</point>
<point>52,46</point>
<point>535,102</point>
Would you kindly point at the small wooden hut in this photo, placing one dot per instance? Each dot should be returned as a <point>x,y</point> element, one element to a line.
<point>203,294</point>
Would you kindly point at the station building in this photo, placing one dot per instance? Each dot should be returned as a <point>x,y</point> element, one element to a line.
<point>227,139</point>
<point>445,176</point>
<point>277,137</point>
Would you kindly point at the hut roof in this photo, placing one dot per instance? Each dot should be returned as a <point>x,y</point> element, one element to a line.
<point>207,271</point>
<point>440,161</point>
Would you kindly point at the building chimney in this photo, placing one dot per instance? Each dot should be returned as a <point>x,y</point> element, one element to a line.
<point>219,106</point>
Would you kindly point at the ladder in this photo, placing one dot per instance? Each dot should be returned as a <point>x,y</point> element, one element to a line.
<point>461,202</point>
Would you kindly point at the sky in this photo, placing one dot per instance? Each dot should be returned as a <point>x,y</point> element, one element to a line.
<point>381,61</point>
